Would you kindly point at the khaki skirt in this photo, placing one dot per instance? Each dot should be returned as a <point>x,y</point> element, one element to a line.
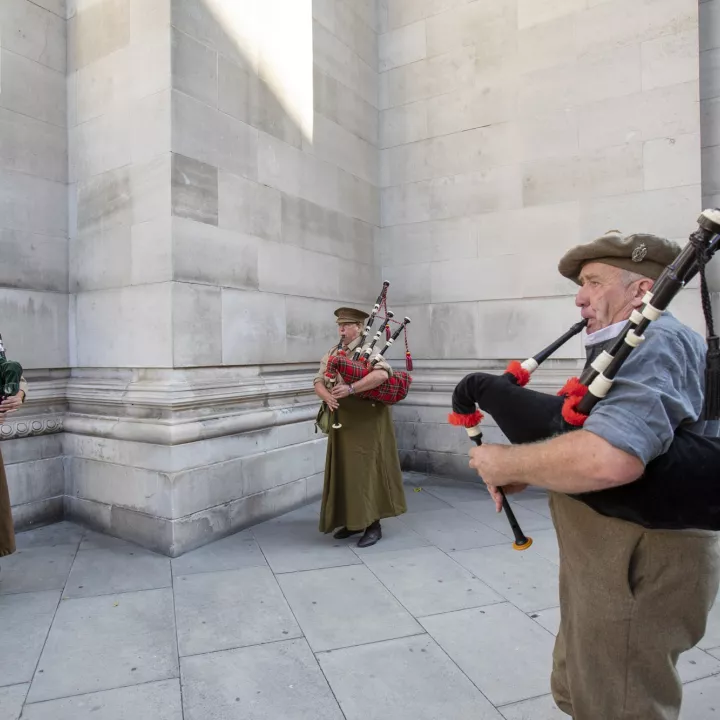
<point>363,480</point>
<point>7,532</point>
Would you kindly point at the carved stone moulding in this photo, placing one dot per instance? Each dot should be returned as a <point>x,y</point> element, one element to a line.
<point>30,427</point>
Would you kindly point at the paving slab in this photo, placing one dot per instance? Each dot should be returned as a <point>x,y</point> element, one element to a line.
<point>426,581</point>
<point>11,701</point>
<point>456,494</point>
<point>105,642</point>
<point>542,708</point>
<point>396,535</point>
<point>423,500</point>
<point>696,664</point>
<point>283,621</point>
<point>711,639</point>
<point>545,544</point>
<point>549,619</point>
<point>525,578</point>
<point>24,624</point>
<point>34,569</point>
<point>406,679</point>
<point>452,530</point>
<point>116,570</point>
<point>232,553</point>
<point>701,700</point>
<point>537,503</point>
<point>155,701</point>
<point>339,607</point>
<point>230,609</point>
<point>296,544</point>
<point>265,682</point>
<point>98,541</point>
<point>505,653</point>
<point>485,512</point>
<point>62,533</point>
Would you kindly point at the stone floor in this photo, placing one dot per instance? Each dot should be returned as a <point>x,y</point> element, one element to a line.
<point>441,620</point>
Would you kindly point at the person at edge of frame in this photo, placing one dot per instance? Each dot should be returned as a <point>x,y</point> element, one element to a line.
<point>363,480</point>
<point>7,532</point>
<point>631,599</point>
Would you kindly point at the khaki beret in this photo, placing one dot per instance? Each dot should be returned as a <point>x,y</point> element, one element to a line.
<point>350,315</point>
<point>641,253</point>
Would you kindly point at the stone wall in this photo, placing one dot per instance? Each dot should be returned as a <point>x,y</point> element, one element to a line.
<point>511,130</point>
<point>190,187</point>
<point>226,176</point>
<point>34,247</point>
<point>710,100</point>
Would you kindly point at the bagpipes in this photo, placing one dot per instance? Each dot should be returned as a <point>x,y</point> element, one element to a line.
<point>10,375</point>
<point>679,489</point>
<point>355,368</point>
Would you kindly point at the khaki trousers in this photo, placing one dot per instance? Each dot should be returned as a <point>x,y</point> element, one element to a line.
<point>631,600</point>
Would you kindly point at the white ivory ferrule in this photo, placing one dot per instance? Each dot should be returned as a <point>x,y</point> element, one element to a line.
<point>601,361</point>
<point>634,340</point>
<point>600,386</point>
<point>651,313</point>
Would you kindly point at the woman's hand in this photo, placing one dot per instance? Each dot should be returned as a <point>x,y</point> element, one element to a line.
<point>11,404</point>
<point>341,391</point>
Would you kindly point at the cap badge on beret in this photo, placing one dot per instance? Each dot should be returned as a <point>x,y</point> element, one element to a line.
<point>639,253</point>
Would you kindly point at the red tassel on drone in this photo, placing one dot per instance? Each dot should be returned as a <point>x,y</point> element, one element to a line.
<point>408,362</point>
<point>574,391</point>
<point>521,375</point>
<point>468,421</point>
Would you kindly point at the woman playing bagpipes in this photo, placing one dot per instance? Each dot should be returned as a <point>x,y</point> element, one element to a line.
<point>13,390</point>
<point>639,571</point>
<point>363,480</point>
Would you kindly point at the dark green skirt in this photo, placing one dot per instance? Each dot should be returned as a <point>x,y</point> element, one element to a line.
<point>7,533</point>
<point>363,480</point>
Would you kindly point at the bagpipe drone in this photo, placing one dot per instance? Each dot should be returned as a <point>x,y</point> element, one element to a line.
<point>355,368</point>
<point>679,489</point>
<point>10,375</point>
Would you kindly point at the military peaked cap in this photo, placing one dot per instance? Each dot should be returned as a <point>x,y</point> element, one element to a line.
<point>350,315</point>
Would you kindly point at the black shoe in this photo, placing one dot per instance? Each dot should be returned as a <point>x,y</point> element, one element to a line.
<point>343,533</point>
<point>371,536</point>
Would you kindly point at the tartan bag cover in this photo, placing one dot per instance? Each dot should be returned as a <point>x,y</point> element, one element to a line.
<point>393,390</point>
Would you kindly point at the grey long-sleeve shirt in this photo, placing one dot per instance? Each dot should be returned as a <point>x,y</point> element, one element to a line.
<point>659,387</point>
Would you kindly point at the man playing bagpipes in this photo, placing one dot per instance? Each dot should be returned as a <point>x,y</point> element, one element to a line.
<point>363,480</point>
<point>13,389</point>
<point>632,597</point>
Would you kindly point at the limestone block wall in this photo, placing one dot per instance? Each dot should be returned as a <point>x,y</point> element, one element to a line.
<point>710,100</point>
<point>188,188</point>
<point>509,131</point>
<point>226,174</point>
<point>34,246</point>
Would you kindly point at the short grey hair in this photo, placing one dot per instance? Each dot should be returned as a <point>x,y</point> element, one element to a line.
<point>628,277</point>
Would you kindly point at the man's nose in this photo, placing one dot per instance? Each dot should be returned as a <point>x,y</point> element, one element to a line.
<point>580,298</point>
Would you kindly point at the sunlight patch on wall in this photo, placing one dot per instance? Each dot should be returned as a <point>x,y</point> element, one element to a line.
<point>276,37</point>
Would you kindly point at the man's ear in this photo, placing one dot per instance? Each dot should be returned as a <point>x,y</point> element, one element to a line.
<point>640,291</point>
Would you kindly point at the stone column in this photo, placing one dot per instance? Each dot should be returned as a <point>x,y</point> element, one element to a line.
<point>225,170</point>
<point>34,248</point>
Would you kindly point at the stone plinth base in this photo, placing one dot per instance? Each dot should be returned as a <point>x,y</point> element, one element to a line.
<point>168,459</point>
